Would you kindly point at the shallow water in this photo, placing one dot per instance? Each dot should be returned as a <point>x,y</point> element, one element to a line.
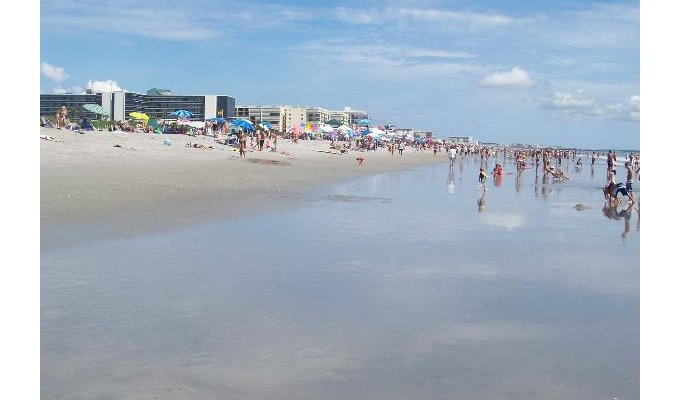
<point>396,286</point>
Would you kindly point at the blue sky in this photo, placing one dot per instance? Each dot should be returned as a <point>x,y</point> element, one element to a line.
<point>538,72</point>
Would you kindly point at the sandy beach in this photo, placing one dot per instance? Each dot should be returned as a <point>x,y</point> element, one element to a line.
<point>145,185</point>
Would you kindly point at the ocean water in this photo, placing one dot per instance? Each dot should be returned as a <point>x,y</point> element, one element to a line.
<point>403,285</point>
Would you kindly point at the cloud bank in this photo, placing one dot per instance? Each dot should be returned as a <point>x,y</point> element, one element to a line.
<point>582,106</point>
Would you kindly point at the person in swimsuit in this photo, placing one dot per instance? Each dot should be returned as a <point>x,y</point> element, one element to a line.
<point>242,145</point>
<point>61,117</point>
<point>629,181</point>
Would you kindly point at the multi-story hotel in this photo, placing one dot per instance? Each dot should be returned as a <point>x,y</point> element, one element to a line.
<point>274,115</point>
<point>317,115</point>
<point>160,103</point>
<point>294,116</point>
<point>156,104</point>
<point>355,115</point>
<point>341,116</point>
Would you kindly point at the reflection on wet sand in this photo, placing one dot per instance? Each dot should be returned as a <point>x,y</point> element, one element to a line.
<point>618,211</point>
<point>384,287</point>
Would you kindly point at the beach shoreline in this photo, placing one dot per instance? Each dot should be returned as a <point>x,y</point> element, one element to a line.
<point>133,183</point>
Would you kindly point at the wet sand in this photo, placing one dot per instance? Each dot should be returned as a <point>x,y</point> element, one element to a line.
<point>146,186</point>
<point>390,286</point>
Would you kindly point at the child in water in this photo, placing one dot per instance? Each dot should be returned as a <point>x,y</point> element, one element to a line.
<point>482,176</point>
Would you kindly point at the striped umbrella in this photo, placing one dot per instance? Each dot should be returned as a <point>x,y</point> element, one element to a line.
<point>95,108</point>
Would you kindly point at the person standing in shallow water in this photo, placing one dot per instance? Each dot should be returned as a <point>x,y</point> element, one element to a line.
<point>629,181</point>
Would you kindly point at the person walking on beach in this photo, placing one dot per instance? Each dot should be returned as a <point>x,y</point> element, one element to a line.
<point>452,155</point>
<point>401,148</point>
<point>260,138</point>
<point>592,159</point>
<point>242,145</point>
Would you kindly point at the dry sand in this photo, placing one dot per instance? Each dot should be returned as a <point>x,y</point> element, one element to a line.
<point>145,185</point>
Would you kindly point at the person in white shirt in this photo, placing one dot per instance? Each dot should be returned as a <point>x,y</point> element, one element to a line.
<point>452,155</point>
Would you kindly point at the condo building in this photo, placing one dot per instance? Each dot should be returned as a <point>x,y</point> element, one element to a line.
<point>156,104</point>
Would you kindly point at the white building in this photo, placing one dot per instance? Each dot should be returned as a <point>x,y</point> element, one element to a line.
<point>355,115</point>
<point>274,115</point>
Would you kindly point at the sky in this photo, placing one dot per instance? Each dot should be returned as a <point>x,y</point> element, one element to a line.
<point>563,73</point>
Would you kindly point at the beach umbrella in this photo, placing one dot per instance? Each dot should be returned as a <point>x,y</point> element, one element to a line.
<point>95,108</point>
<point>139,115</point>
<point>157,128</point>
<point>182,114</point>
<point>334,122</point>
<point>326,128</point>
<point>243,123</point>
<point>364,122</point>
<point>219,120</point>
<point>296,129</point>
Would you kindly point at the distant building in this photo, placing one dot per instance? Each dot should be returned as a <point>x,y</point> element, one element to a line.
<point>462,139</point>
<point>317,115</point>
<point>120,104</point>
<point>51,103</point>
<point>340,116</point>
<point>293,116</point>
<point>274,115</point>
<point>355,115</point>
<point>403,131</point>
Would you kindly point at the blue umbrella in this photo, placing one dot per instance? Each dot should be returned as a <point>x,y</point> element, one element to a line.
<point>182,114</point>
<point>219,120</point>
<point>364,122</point>
<point>243,123</point>
<point>266,124</point>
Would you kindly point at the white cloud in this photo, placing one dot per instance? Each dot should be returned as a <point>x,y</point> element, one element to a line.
<point>516,78</point>
<point>56,74</point>
<point>104,86</point>
<point>391,15</point>
<point>581,105</point>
